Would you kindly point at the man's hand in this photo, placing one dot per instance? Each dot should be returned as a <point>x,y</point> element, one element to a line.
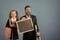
<point>37,34</point>
<point>23,19</point>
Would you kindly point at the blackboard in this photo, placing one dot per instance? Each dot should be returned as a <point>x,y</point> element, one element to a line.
<point>24,26</point>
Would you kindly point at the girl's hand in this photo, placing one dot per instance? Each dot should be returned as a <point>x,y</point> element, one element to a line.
<point>12,25</point>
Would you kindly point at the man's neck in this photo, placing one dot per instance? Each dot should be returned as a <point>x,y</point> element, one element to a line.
<point>28,16</point>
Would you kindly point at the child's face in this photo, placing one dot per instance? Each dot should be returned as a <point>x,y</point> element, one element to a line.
<point>13,14</point>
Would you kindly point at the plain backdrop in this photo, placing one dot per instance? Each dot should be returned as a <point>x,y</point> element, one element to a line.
<point>46,11</point>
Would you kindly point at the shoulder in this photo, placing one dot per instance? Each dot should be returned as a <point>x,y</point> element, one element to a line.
<point>7,23</point>
<point>22,16</point>
<point>8,20</point>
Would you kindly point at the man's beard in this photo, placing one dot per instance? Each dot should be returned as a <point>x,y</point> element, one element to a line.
<point>28,14</point>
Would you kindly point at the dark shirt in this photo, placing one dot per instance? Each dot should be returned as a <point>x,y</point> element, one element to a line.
<point>14,33</point>
<point>32,34</point>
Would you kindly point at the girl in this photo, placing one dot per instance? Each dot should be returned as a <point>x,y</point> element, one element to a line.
<point>11,23</point>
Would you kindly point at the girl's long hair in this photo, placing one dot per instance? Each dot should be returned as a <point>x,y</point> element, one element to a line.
<point>13,11</point>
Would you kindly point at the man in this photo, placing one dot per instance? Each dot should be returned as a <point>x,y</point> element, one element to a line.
<point>32,34</point>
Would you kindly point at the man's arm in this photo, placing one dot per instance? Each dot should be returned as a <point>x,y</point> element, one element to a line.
<point>36,24</point>
<point>36,28</point>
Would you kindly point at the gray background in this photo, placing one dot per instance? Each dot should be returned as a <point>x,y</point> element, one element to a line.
<point>47,12</point>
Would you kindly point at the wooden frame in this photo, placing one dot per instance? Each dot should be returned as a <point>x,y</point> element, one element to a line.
<point>23,28</point>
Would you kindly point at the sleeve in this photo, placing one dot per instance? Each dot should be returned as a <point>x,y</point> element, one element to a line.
<point>36,24</point>
<point>7,24</point>
<point>17,19</point>
<point>20,18</point>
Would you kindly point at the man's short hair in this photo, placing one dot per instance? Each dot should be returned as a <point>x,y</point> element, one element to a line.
<point>27,7</point>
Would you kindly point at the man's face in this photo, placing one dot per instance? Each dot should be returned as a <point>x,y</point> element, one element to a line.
<point>28,11</point>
